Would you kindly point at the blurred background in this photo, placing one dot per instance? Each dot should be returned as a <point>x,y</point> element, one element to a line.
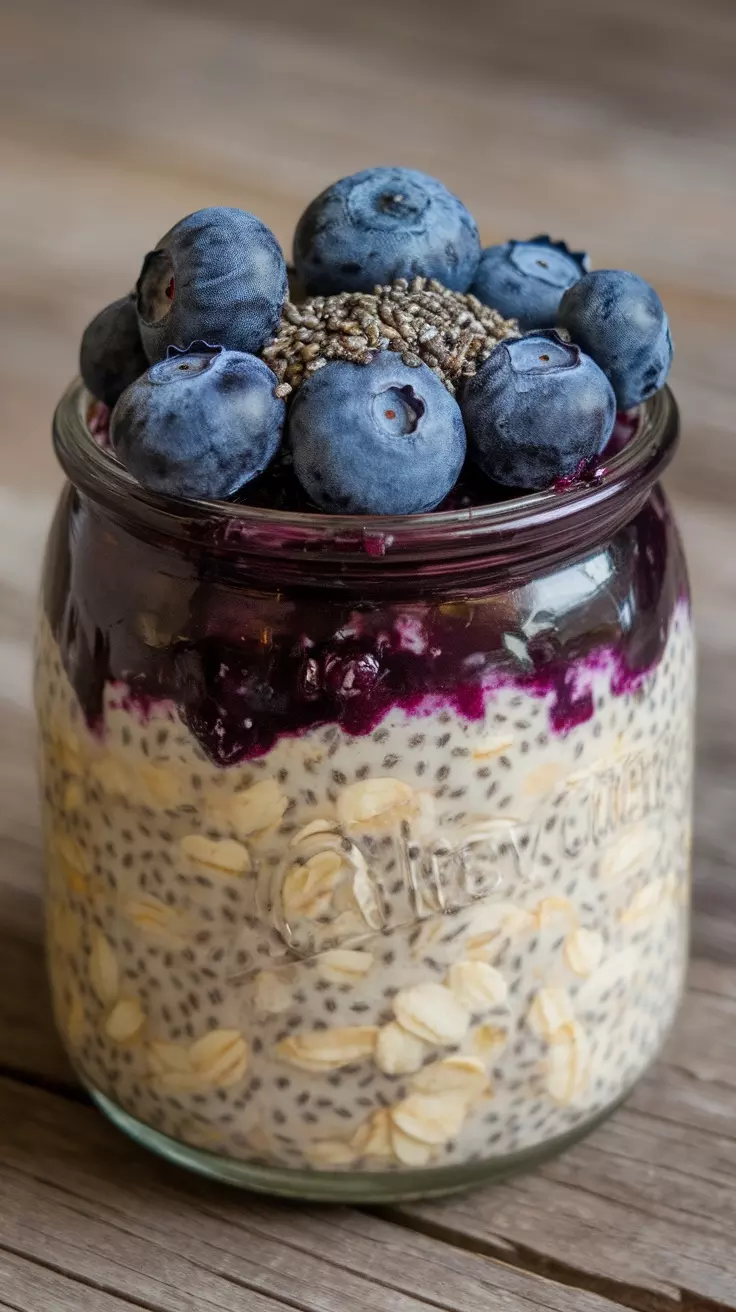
<point>610,125</point>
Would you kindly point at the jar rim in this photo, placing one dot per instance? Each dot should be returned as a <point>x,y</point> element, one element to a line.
<point>529,525</point>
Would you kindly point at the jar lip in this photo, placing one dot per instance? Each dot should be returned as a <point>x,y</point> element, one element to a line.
<point>528,521</point>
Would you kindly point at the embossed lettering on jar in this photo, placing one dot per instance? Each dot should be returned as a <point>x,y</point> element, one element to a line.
<point>367,875</point>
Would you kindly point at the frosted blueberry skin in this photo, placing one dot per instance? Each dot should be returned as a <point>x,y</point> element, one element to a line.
<point>536,411</point>
<point>524,280</point>
<point>376,439</point>
<point>618,319</point>
<point>218,275</point>
<point>111,354</point>
<point>201,423</point>
<point>382,224</point>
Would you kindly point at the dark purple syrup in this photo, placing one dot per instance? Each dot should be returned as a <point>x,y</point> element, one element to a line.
<point>245,663</point>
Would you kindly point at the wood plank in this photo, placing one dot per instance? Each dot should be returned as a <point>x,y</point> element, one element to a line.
<point>78,1198</point>
<point>29,1287</point>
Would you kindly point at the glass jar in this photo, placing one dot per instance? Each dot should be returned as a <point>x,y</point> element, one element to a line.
<point>367,850</point>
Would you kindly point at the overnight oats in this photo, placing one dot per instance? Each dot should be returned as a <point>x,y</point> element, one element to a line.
<point>364,679</point>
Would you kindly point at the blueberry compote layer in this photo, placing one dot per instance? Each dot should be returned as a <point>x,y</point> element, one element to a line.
<point>339,883</point>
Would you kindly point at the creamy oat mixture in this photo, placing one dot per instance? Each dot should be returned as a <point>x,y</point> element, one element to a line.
<point>445,942</point>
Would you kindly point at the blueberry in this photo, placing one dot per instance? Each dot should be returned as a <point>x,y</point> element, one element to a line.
<point>383,224</point>
<point>278,488</point>
<point>620,321</point>
<point>199,424</point>
<point>111,355</point>
<point>536,410</point>
<point>524,280</point>
<point>376,439</point>
<point>218,275</point>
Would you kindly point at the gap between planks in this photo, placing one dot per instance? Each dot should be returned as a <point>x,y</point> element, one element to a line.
<point>525,1258</point>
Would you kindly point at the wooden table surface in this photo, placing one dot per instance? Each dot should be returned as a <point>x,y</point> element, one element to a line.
<point>610,125</point>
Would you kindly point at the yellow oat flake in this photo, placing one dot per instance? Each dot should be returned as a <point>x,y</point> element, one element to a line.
<point>73,861</point>
<point>465,1077</point>
<point>163,787</point>
<point>66,748</point>
<point>139,781</point>
<point>103,970</point>
<point>259,1142</point>
<point>648,901</point>
<point>409,1151</point>
<point>569,1065</point>
<point>634,852</point>
<point>308,886</point>
<point>344,965</point>
<point>314,827</point>
<point>549,1013</point>
<point>64,928</point>
<point>432,1012</point>
<point>375,803</point>
<point>208,1137</point>
<point>397,1051</point>
<point>543,779</point>
<point>125,1021</point>
<point>555,913</point>
<point>250,811</point>
<point>329,1152</point>
<point>222,856</point>
<point>75,1023</point>
<point>365,898</point>
<point>170,1065</point>
<point>220,1057</point>
<point>165,1058</point>
<point>583,951</point>
<point>373,1137</point>
<point>430,1118</point>
<point>428,934</point>
<point>495,745</point>
<point>155,918</point>
<point>326,1050</point>
<point>175,1082</point>
<point>73,796</point>
<point>115,777</point>
<point>486,1041</point>
<point>491,925</point>
<point>477,986</point>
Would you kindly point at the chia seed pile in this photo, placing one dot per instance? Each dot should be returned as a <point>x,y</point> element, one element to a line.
<point>447,942</point>
<point>421,320</point>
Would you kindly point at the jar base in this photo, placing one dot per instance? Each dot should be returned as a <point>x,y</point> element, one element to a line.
<point>343,1187</point>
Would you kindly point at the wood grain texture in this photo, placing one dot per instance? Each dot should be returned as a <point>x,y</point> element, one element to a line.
<point>613,128</point>
<point>76,1197</point>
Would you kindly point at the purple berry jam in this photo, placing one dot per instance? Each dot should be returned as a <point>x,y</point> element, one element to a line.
<point>244,667</point>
